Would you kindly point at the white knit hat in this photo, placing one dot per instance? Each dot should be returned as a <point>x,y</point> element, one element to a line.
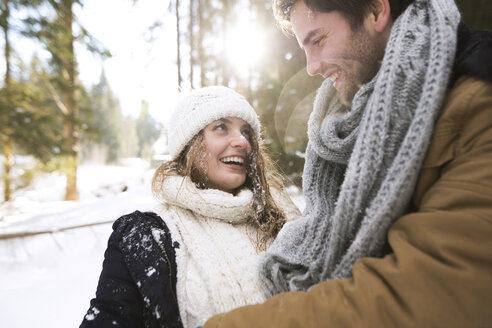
<point>203,106</point>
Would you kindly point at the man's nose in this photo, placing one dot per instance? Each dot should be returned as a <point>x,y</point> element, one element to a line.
<point>313,68</point>
<point>313,64</point>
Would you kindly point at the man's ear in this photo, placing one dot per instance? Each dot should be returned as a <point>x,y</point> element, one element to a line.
<point>380,15</point>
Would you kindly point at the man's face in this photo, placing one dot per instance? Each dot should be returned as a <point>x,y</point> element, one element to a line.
<point>350,58</point>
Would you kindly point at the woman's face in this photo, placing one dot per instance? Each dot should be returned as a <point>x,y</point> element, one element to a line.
<point>226,156</point>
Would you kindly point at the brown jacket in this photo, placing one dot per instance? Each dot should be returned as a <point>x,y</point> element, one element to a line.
<point>439,270</point>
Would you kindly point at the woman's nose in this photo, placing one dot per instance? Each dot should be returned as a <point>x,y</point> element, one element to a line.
<point>240,141</point>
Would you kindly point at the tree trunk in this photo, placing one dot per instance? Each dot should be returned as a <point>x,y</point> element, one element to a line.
<point>201,53</point>
<point>6,139</point>
<point>190,28</point>
<point>71,192</point>
<point>7,166</point>
<point>249,95</point>
<point>70,132</point>
<point>178,35</point>
<point>225,29</point>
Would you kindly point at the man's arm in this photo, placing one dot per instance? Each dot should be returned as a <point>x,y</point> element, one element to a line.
<point>440,271</point>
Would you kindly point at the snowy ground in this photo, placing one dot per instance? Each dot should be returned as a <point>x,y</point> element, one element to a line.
<point>47,280</point>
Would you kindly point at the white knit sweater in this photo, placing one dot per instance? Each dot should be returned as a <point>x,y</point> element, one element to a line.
<point>216,261</point>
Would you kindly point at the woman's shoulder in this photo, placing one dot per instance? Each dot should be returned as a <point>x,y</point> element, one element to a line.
<point>139,228</point>
<point>131,221</point>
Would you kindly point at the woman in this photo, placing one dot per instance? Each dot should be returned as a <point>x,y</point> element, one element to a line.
<point>221,205</point>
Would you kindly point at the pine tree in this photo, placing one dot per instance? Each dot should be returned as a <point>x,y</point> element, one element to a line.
<point>6,135</point>
<point>148,130</point>
<point>109,118</point>
<point>27,123</point>
<point>57,35</point>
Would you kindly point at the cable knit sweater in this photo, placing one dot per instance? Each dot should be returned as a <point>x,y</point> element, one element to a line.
<point>193,261</point>
<point>217,259</point>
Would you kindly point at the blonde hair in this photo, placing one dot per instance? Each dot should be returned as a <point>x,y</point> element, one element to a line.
<point>261,175</point>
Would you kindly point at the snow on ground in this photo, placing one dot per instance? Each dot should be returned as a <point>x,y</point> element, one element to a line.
<point>47,280</point>
<point>101,198</point>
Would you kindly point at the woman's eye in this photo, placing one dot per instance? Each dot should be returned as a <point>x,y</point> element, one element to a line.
<point>221,126</point>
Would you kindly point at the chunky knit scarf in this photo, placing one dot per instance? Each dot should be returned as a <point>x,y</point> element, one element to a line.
<point>216,260</point>
<point>362,163</point>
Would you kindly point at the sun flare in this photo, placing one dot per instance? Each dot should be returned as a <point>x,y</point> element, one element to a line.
<point>244,44</point>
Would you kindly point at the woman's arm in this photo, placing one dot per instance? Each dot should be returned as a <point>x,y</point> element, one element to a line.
<point>117,302</point>
<point>138,281</point>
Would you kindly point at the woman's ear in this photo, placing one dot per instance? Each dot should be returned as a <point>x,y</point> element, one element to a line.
<point>380,15</point>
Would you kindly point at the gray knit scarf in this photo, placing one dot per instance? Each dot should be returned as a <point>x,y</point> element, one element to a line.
<point>362,162</point>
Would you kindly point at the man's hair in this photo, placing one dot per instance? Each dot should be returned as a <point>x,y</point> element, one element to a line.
<point>353,10</point>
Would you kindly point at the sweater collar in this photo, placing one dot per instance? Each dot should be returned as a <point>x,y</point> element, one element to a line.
<point>212,203</point>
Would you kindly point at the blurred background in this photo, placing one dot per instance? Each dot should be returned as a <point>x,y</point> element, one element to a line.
<point>86,91</point>
<point>95,81</point>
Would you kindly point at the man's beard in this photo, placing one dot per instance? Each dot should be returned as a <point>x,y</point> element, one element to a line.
<point>366,55</point>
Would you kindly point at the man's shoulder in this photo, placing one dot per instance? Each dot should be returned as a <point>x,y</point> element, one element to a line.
<point>466,90</point>
<point>466,109</point>
<point>467,94</point>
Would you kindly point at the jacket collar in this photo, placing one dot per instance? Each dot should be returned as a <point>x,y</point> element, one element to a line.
<point>473,54</point>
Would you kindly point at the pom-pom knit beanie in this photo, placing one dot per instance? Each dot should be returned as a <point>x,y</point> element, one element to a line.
<point>203,106</point>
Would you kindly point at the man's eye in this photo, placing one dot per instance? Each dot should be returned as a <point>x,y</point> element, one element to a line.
<point>317,42</point>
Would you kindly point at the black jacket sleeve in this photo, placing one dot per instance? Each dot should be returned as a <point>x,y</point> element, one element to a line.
<point>117,299</point>
<point>137,283</point>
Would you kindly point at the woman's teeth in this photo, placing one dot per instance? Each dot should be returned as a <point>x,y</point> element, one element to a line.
<point>233,160</point>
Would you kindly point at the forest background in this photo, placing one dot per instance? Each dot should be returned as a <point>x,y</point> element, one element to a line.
<point>51,121</point>
<point>86,89</point>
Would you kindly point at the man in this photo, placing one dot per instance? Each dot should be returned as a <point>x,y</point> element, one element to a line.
<point>397,230</point>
